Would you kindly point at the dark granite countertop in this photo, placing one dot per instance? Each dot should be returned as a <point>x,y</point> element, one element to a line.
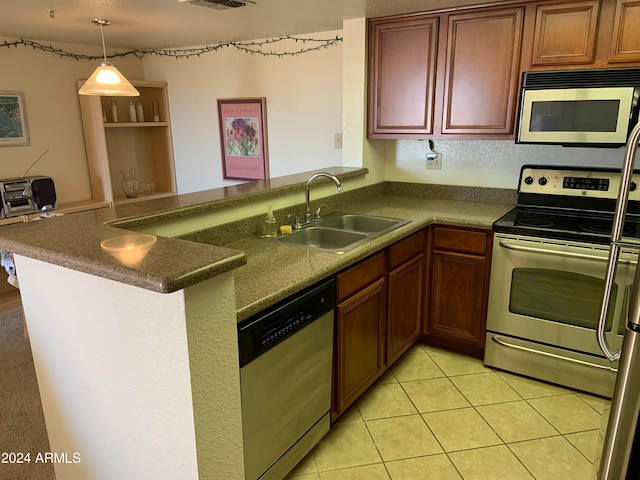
<point>265,272</point>
<point>273,271</point>
<point>78,241</point>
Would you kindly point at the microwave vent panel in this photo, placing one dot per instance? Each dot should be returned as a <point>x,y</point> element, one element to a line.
<point>605,77</point>
<point>218,4</point>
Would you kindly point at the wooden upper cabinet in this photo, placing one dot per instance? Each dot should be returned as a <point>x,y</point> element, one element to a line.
<point>455,73</point>
<point>402,61</point>
<point>625,39</point>
<point>565,33</point>
<point>481,73</point>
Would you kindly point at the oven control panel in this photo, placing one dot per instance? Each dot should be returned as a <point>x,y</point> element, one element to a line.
<point>578,183</point>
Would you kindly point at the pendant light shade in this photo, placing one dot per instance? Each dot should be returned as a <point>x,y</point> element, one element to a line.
<point>106,79</point>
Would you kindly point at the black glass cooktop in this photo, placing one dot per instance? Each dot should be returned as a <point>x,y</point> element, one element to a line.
<point>594,227</point>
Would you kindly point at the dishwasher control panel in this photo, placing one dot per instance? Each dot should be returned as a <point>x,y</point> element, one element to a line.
<point>267,329</point>
<point>275,333</point>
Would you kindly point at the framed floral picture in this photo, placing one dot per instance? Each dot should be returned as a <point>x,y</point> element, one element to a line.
<point>243,138</point>
<point>13,120</point>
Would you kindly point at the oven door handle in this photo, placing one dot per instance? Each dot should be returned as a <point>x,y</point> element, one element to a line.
<point>499,341</point>
<point>548,251</point>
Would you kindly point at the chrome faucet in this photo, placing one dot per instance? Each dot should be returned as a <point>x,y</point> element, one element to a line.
<point>307,214</point>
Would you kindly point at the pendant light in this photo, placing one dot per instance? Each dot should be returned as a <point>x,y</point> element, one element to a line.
<point>107,80</point>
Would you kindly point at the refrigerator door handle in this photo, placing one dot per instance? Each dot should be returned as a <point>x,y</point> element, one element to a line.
<point>616,235</point>
<point>614,253</point>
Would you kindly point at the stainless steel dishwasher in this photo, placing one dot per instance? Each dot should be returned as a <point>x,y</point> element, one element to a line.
<point>285,376</point>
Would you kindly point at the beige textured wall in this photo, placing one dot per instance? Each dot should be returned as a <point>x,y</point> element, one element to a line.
<point>49,84</point>
<point>213,361</point>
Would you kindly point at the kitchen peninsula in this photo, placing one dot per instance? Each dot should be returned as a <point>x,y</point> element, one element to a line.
<point>136,358</point>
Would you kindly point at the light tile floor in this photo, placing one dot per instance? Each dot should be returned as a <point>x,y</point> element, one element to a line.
<point>437,415</point>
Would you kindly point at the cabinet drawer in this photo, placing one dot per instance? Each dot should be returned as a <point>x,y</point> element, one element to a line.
<point>405,249</point>
<point>360,275</point>
<point>460,240</point>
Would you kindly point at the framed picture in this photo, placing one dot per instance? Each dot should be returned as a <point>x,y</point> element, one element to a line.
<point>13,120</point>
<point>243,138</point>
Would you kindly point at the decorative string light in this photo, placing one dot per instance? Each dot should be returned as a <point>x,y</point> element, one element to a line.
<point>252,47</point>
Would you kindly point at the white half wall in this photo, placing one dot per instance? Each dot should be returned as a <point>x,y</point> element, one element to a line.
<point>135,384</point>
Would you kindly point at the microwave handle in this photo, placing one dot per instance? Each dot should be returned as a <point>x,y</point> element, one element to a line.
<point>616,235</point>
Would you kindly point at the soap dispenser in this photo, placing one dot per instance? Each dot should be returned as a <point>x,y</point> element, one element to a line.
<point>270,224</point>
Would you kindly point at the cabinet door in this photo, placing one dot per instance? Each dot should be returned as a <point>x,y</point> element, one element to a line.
<point>360,343</point>
<point>405,307</point>
<point>625,41</point>
<point>481,76</point>
<point>565,33</point>
<point>402,58</point>
<point>457,289</point>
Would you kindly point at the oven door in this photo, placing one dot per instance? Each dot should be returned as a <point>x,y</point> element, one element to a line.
<point>544,301</point>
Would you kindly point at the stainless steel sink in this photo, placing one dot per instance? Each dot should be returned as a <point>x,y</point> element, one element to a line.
<point>326,239</point>
<point>340,232</point>
<point>362,223</point>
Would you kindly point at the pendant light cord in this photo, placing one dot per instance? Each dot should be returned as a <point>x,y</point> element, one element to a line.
<point>104,50</point>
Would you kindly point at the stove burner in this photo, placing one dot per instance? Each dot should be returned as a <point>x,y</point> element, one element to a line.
<point>596,227</point>
<point>602,228</point>
<point>535,222</point>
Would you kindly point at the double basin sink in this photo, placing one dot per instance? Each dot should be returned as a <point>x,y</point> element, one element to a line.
<point>340,232</point>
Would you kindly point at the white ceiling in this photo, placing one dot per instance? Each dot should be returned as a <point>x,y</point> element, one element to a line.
<point>149,24</point>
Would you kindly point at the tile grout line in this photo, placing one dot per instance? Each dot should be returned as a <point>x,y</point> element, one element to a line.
<point>520,398</point>
<point>448,377</point>
<point>488,424</point>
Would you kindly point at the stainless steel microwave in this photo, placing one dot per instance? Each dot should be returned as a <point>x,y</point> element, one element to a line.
<point>579,107</point>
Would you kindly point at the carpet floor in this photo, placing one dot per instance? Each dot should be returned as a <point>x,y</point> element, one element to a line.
<point>22,426</point>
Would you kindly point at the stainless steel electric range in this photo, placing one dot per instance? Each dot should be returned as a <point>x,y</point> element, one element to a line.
<point>547,277</point>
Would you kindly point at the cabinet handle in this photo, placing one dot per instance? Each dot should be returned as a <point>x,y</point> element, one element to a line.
<point>550,355</point>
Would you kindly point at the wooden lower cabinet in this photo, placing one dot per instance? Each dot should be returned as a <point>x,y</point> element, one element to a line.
<point>378,317</point>
<point>458,288</point>
<point>360,330</point>
<point>456,296</point>
<point>360,342</point>
<point>405,287</point>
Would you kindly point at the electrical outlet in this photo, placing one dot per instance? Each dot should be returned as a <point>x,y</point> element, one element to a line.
<point>434,163</point>
<point>337,140</point>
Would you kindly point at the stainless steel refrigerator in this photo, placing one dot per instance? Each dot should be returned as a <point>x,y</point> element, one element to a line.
<point>620,458</point>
